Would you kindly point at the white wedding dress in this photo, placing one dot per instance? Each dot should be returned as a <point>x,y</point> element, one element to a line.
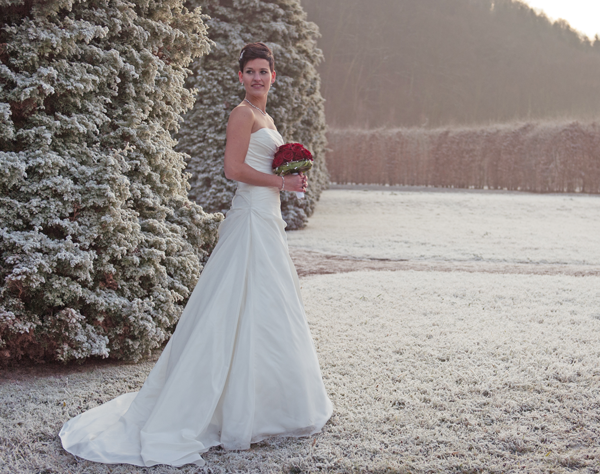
<point>241,365</point>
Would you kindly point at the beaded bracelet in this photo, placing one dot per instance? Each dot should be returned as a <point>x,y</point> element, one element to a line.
<point>282,183</point>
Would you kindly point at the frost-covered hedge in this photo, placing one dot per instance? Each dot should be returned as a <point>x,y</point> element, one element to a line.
<point>100,246</point>
<point>295,100</point>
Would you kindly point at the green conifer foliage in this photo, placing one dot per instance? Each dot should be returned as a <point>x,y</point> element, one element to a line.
<point>295,100</point>
<point>100,244</point>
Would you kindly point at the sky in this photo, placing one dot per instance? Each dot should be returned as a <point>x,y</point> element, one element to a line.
<point>583,15</point>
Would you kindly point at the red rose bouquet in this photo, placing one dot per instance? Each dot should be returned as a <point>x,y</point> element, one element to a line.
<point>292,158</point>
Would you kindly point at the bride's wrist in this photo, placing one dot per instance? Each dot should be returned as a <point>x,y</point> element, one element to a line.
<point>282,184</point>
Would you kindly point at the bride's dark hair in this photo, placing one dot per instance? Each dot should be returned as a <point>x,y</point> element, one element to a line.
<point>256,51</point>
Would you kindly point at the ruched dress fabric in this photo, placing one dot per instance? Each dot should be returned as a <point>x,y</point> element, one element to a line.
<point>241,366</point>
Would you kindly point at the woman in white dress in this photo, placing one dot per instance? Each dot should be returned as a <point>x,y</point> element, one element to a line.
<point>241,365</point>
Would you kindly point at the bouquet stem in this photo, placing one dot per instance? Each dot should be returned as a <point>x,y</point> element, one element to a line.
<point>299,195</point>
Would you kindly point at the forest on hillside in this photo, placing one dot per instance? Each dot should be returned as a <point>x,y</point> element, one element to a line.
<point>405,63</point>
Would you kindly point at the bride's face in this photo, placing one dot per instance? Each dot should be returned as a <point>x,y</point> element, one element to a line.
<point>257,77</point>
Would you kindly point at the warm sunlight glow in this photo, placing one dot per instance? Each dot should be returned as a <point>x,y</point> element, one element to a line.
<point>582,15</point>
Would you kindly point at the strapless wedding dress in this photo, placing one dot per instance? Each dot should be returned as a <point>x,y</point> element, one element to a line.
<point>241,365</point>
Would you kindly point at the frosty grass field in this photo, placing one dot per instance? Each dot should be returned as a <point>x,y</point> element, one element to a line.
<point>475,348</point>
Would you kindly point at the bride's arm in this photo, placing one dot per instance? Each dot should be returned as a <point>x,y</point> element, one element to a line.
<point>239,129</point>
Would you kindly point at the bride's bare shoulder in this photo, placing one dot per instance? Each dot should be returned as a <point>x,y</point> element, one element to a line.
<point>242,112</point>
<point>241,118</point>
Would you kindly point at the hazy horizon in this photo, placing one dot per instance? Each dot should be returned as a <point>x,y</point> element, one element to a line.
<point>582,15</point>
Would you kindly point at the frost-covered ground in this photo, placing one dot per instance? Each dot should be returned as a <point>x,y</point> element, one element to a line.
<point>430,371</point>
<point>455,226</point>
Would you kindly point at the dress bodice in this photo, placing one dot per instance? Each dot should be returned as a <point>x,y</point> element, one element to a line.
<point>263,145</point>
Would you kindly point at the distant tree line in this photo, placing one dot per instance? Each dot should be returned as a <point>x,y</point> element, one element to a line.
<point>538,157</point>
<point>444,62</point>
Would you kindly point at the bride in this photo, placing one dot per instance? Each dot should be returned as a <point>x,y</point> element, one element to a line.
<point>241,365</point>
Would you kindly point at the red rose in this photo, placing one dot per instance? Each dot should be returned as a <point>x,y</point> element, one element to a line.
<point>291,152</point>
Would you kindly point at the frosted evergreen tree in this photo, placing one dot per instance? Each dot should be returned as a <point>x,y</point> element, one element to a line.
<point>100,246</point>
<point>295,100</point>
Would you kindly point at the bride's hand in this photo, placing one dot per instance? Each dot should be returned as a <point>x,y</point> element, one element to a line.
<point>295,182</point>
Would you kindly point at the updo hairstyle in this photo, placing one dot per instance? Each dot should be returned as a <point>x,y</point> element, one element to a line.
<point>256,51</point>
